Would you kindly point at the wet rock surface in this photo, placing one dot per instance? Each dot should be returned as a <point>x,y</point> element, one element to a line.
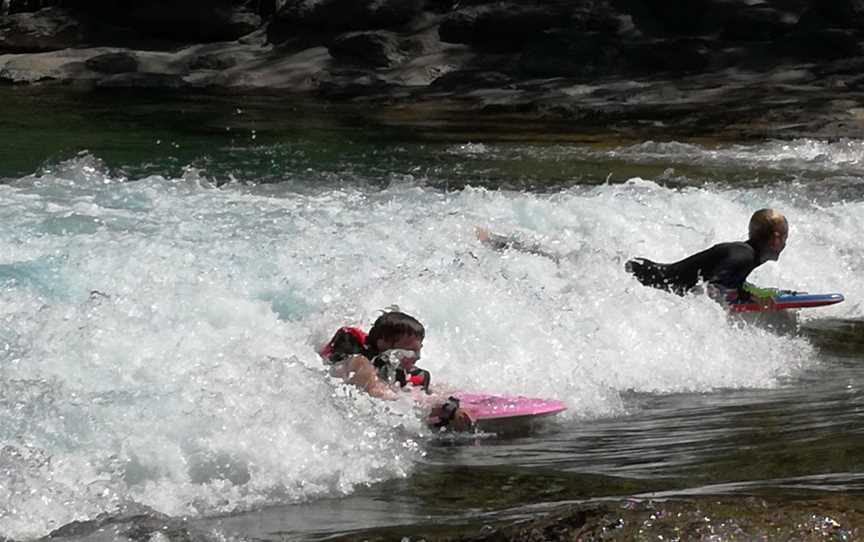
<point>703,518</point>
<point>132,523</point>
<point>693,519</point>
<point>697,520</point>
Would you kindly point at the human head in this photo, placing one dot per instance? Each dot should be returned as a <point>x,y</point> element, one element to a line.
<point>396,329</point>
<point>769,231</point>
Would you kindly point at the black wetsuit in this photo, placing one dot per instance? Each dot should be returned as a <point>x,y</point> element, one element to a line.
<point>726,265</point>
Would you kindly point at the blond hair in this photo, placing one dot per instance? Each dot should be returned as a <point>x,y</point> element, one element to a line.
<point>765,223</point>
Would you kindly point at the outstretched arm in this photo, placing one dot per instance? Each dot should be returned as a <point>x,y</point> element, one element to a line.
<point>360,372</point>
<point>509,242</point>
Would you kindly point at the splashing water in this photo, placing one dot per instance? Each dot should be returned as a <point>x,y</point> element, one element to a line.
<point>159,335</point>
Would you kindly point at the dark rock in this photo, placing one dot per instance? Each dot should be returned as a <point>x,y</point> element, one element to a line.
<point>334,16</point>
<point>502,27</point>
<point>681,55</point>
<point>23,6</point>
<point>601,19</point>
<point>128,513</point>
<point>49,29</point>
<point>514,107</point>
<point>143,81</point>
<point>191,20</point>
<point>469,79</point>
<point>834,14</point>
<point>642,17</point>
<point>687,17</point>
<point>851,66</point>
<point>267,8</point>
<point>566,54</point>
<point>756,23</point>
<point>440,6</point>
<point>743,55</point>
<point>823,43</point>
<point>222,56</point>
<point>131,522</point>
<point>113,63</point>
<point>373,48</point>
<point>349,84</point>
<point>241,22</point>
<point>213,62</point>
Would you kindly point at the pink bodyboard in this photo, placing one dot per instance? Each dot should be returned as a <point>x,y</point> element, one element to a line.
<point>480,406</point>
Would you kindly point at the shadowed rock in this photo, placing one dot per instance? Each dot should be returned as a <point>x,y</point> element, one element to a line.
<point>673,55</point>
<point>142,81</point>
<point>132,522</point>
<point>501,27</point>
<point>686,17</point>
<point>373,49</point>
<point>347,84</point>
<point>120,62</point>
<point>567,54</point>
<point>191,20</point>
<point>824,43</point>
<point>757,23</point>
<point>49,29</point>
<point>834,14</point>
<point>298,17</point>
<point>467,79</point>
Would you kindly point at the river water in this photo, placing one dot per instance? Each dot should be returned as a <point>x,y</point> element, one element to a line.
<point>168,267</point>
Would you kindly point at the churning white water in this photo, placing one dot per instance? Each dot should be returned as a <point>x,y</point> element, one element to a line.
<point>158,336</point>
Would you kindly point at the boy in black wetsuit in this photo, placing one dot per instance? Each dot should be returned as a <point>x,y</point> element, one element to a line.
<point>724,266</point>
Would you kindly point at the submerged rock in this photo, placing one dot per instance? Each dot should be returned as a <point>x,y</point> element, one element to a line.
<point>691,518</point>
<point>132,522</point>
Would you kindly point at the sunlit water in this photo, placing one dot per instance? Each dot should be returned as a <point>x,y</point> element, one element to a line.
<point>160,326</point>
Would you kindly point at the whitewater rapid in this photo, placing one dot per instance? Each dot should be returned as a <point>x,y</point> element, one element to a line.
<point>159,334</point>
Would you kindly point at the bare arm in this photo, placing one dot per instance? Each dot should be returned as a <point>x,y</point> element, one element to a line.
<point>360,372</point>
<point>510,242</point>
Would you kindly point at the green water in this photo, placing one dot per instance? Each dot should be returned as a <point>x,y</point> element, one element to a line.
<point>257,139</point>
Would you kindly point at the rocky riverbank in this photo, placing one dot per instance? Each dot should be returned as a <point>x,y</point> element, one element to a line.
<point>715,68</point>
<point>701,518</point>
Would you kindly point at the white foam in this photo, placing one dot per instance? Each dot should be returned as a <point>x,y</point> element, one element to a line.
<point>188,381</point>
<point>800,154</point>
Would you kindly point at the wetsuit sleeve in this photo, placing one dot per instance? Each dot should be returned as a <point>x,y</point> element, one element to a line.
<point>678,277</point>
<point>650,273</point>
<point>684,275</point>
<point>726,265</point>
